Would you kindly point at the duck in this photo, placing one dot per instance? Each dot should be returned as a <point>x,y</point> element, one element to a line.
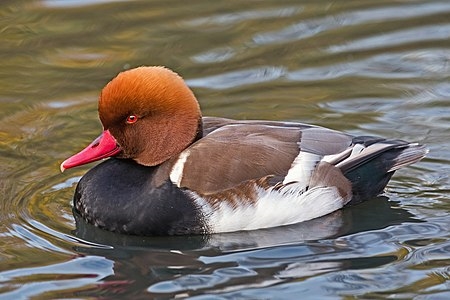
<point>168,170</point>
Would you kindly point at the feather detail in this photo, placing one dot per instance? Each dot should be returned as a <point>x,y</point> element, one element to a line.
<point>411,154</point>
<point>269,207</point>
<point>302,168</point>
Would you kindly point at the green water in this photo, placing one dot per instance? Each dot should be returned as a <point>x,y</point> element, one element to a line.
<point>365,67</point>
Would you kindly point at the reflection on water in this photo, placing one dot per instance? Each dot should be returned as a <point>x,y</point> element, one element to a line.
<point>375,214</point>
<point>72,274</point>
<point>370,68</point>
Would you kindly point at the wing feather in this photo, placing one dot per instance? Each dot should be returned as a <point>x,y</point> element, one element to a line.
<point>235,153</point>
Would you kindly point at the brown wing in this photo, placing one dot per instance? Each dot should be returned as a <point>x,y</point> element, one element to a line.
<point>236,151</point>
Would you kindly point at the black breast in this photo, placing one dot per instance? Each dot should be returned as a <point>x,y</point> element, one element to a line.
<point>118,195</point>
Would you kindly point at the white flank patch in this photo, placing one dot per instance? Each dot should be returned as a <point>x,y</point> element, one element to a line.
<point>176,174</point>
<point>302,168</point>
<point>289,205</point>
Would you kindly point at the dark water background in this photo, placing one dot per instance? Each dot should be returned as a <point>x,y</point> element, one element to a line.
<point>365,67</point>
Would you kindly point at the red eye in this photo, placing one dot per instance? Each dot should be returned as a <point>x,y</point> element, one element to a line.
<point>132,119</point>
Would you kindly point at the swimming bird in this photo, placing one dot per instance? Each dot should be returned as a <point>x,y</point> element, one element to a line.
<point>175,172</point>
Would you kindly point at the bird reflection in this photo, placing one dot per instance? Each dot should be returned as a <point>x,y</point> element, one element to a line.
<point>177,264</point>
<point>374,214</point>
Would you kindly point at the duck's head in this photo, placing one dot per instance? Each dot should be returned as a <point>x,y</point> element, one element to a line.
<point>148,114</point>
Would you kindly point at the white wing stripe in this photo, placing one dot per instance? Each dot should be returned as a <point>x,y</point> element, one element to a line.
<point>176,174</point>
<point>302,168</point>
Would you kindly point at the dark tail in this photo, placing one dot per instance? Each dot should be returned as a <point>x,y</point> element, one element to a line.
<point>371,169</point>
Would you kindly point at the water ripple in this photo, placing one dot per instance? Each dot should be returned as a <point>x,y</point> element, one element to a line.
<point>238,78</point>
<point>367,67</point>
<point>313,27</point>
<point>236,17</point>
<point>420,34</point>
<point>430,63</point>
<point>76,273</point>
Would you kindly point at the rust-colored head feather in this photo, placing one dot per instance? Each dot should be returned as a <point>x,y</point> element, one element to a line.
<point>167,111</point>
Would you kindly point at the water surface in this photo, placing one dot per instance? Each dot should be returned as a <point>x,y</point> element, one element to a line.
<point>365,67</point>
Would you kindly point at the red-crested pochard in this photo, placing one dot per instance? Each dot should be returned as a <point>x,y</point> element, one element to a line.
<point>173,171</point>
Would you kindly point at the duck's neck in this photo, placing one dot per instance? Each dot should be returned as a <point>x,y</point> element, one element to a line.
<point>199,130</point>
